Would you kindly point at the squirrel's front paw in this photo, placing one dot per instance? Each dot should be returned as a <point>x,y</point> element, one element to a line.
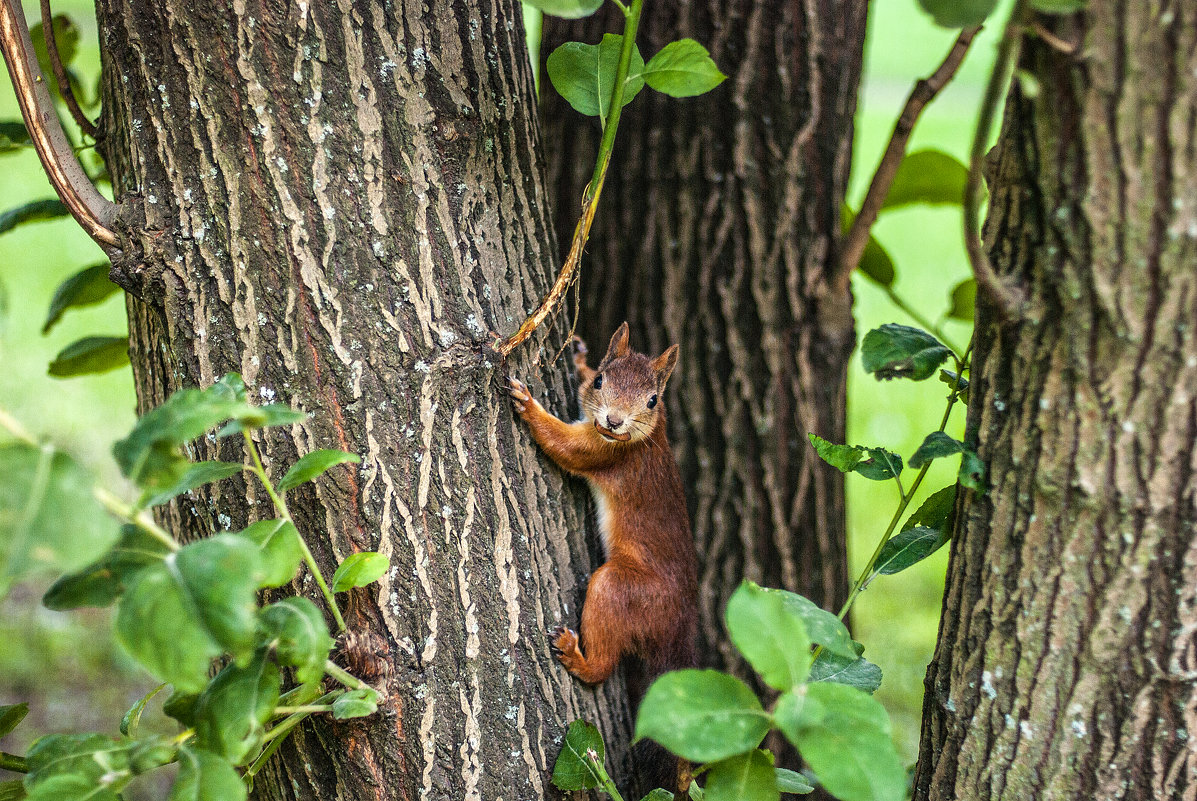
<point>519,394</point>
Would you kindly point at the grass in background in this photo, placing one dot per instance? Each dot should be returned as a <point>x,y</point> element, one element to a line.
<point>896,618</point>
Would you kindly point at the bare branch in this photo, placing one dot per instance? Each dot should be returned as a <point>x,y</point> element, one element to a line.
<point>60,74</point>
<point>923,93</point>
<point>90,209</point>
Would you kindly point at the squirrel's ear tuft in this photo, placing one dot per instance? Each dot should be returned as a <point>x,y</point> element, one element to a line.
<point>619,344</point>
<point>663,365</point>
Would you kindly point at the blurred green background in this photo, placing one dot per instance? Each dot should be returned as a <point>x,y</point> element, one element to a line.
<point>75,684</point>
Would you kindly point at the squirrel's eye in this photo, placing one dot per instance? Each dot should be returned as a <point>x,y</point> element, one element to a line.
<point>598,381</point>
<point>652,401</point>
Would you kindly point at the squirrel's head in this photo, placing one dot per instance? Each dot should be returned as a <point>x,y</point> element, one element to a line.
<point>622,397</point>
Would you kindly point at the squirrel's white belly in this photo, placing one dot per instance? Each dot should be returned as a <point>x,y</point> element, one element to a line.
<point>602,512</point>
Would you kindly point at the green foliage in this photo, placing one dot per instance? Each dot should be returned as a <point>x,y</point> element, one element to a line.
<point>91,355</point>
<point>48,517</point>
<point>789,781</point>
<point>964,300</point>
<point>281,550</point>
<point>770,635</point>
<point>907,548</point>
<point>204,776</point>
<point>33,211</point>
<point>682,69</point>
<point>232,711</point>
<point>11,716</point>
<point>87,287</point>
<point>296,630</point>
<point>876,464</point>
<point>13,137</point>
<point>132,718</point>
<point>900,351</point>
<point>573,769</point>
<point>745,776</point>
<point>1058,6</point>
<point>358,570</point>
<point>313,464</point>
<point>937,444</point>
<point>585,74</point>
<point>702,715</point>
<point>567,9</point>
<point>844,735</point>
<point>927,176</point>
<point>958,13</point>
<point>103,581</point>
<point>355,704</point>
<point>853,671</point>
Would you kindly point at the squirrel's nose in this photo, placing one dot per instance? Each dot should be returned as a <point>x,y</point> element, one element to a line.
<point>613,422</point>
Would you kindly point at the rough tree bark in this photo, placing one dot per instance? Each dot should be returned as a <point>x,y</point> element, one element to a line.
<point>340,201</point>
<point>1067,657</point>
<point>717,230</point>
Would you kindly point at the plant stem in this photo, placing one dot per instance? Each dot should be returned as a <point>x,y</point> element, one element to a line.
<point>344,677</point>
<point>285,514</point>
<point>913,314</point>
<point>138,517</point>
<point>10,424</point>
<point>604,779</point>
<point>309,709</point>
<point>590,197</point>
<point>867,573</point>
<point>274,738</point>
<point>13,762</point>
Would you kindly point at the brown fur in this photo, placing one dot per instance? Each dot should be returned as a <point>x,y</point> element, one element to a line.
<point>643,600</point>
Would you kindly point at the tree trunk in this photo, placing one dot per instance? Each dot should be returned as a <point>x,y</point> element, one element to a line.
<point>1067,657</point>
<point>341,202</point>
<point>718,230</point>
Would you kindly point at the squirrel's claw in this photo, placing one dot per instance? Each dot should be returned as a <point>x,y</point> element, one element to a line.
<point>563,640</point>
<point>519,393</point>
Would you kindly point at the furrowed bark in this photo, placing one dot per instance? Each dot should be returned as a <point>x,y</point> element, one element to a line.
<point>341,202</point>
<point>1067,657</point>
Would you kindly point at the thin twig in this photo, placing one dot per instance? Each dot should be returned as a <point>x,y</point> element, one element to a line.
<point>60,73</point>
<point>590,197</point>
<point>923,93</point>
<point>1005,299</point>
<point>91,210</point>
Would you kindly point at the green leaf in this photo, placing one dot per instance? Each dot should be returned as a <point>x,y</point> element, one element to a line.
<point>91,355</point>
<point>936,511</point>
<point>696,793</point>
<point>900,351</point>
<point>566,9</point>
<point>204,776</point>
<point>103,581</point>
<point>822,626</point>
<point>790,781</point>
<point>181,707</point>
<point>844,736</point>
<point>13,136</point>
<point>958,13</point>
<point>358,570</point>
<point>313,464</point>
<point>682,69</point>
<point>87,287</point>
<point>880,466</point>
<point>842,457</point>
<point>150,456</point>
<point>936,445</point>
<point>280,548</point>
<point>927,176</point>
<point>132,718</point>
<point>907,548</point>
<point>584,74</point>
<point>355,704</point>
<point>572,770</point>
<point>746,777</point>
<point>231,713</point>
<point>272,414</point>
<point>772,638</point>
<point>34,211</point>
<point>964,300</point>
<point>659,794</point>
<point>950,378</point>
<point>11,715</point>
<point>13,790</point>
<point>66,37</point>
<point>151,753</point>
<point>856,672</point>
<point>48,516</point>
<point>702,715</point>
<point>876,263</point>
<point>180,614</point>
<point>70,767</point>
<point>296,630</point>
<point>195,476</point>
<point>972,471</point>
<point>1058,6</point>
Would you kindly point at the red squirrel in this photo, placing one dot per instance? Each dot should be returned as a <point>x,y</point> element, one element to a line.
<point>643,600</point>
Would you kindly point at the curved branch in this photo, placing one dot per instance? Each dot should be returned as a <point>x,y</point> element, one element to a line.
<point>60,74</point>
<point>90,209</point>
<point>923,93</point>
